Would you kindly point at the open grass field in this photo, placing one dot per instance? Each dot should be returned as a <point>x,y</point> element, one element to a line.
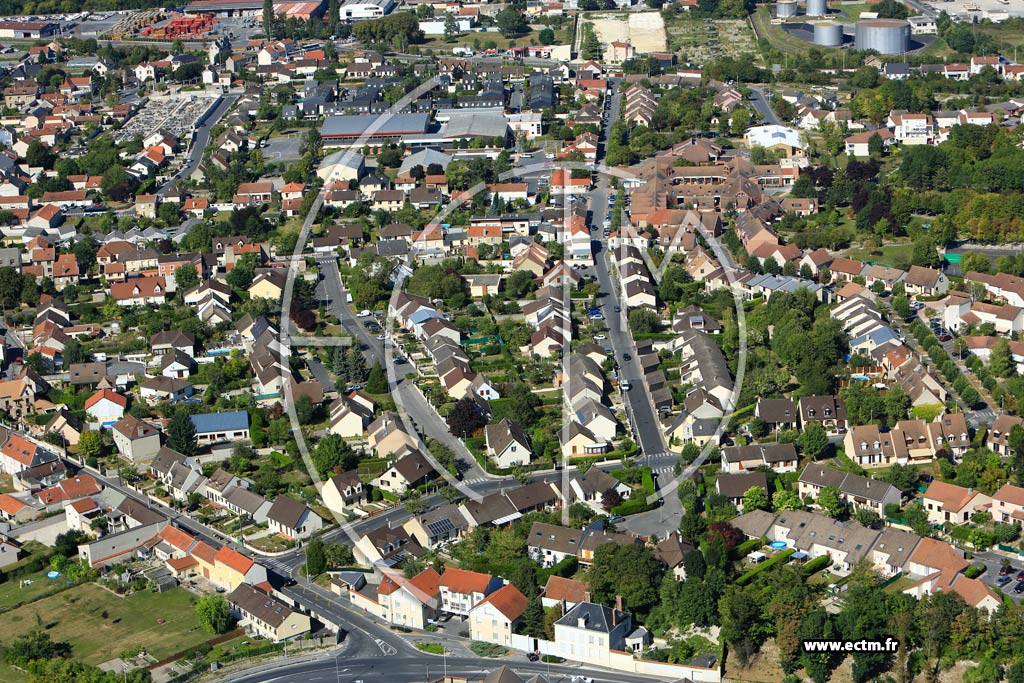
<point>888,255</point>
<point>76,617</point>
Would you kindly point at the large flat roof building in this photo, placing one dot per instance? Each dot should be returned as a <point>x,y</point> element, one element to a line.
<point>344,129</point>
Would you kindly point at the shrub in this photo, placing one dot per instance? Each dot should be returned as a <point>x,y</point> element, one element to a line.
<point>974,571</point>
<point>482,649</point>
<point>431,648</point>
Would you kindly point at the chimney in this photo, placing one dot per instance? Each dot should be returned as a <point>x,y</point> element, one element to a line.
<point>618,603</point>
<point>586,596</point>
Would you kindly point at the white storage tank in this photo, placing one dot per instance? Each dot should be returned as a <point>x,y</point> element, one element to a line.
<point>884,36</point>
<point>828,34</point>
<point>817,8</point>
<point>785,9</point>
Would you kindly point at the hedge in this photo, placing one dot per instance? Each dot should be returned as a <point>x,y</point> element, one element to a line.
<point>765,566</point>
<point>816,565</point>
<point>647,480</point>
<point>632,506</point>
<point>747,547</point>
<point>974,571</point>
<point>565,568</point>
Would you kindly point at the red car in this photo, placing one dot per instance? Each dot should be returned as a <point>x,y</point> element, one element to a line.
<point>1005,570</point>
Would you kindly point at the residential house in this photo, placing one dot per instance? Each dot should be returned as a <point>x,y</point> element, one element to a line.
<point>292,519</point>
<point>948,503</point>
<point>267,616</point>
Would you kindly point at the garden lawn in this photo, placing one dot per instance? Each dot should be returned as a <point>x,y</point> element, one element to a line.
<point>11,592</point>
<point>75,616</point>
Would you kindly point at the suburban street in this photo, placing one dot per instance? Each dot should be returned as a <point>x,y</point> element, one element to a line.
<point>760,103</point>
<point>646,427</point>
<point>407,396</point>
<point>415,667</point>
<point>199,142</point>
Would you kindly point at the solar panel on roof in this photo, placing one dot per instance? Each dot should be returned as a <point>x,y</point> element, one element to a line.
<point>440,526</point>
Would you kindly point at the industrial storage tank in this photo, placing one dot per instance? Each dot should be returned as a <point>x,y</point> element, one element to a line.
<point>785,9</point>
<point>828,34</point>
<point>885,36</point>
<point>817,8</point>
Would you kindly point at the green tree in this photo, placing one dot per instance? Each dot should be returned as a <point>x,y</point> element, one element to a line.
<point>644,321</point>
<point>510,22</point>
<point>755,498</point>
<point>268,19</point>
<point>333,455</point>
<point>186,277</point>
<point>377,380</point>
<point>181,433</point>
<point>786,500</point>
<point>744,622</point>
<point>546,36</point>
<point>533,618</point>
<point>830,501</point>
<point>316,558</point>
<point>629,571</point>
<point>90,444</point>
<point>813,440</point>
<point>214,613</point>
<point>1000,360</point>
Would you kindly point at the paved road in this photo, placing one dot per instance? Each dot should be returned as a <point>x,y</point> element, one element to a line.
<point>415,668</point>
<point>406,395</point>
<point>202,139</point>
<point>761,104</point>
<point>646,426</point>
<point>200,531</point>
<point>317,369</point>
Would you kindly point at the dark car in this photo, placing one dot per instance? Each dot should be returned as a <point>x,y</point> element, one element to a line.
<point>1020,575</point>
<point>618,309</point>
<point>944,337</point>
<point>1003,580</point>
<point>532,656</point>
<point>1005,569</point>
<point>626,357</point>
<point>1019,588</point>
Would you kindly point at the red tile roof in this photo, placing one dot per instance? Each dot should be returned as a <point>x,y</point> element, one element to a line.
<point>234,560</point>
<point>464,581</point>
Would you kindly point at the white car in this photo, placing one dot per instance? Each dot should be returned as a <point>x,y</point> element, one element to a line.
<point>599,337</point>
<point>363,314</point>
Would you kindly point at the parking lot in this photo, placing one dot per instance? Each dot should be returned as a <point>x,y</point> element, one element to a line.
<point>177,114</point>
<point>993,563</point>
<point>283,149</point>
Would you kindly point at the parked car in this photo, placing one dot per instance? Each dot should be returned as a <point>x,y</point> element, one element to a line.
<point>626,357</point>
<point>944,337</point>
<point>599,337</point>
<point>1020,575</point>
<point>1003,580</point>
<point>1005,570</point>
<point>363,314</point>
<point>1019,588</point>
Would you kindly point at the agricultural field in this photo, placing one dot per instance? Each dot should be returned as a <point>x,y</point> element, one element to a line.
<point>699,41</point>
